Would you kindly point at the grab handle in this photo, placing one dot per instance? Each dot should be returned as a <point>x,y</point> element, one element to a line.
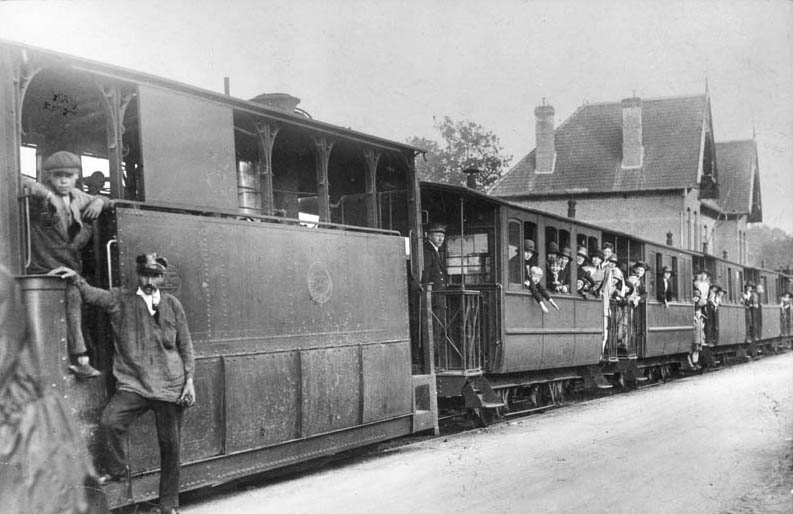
<point>111,242</point>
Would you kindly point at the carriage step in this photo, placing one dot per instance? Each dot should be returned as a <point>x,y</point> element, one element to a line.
<point>594,378</point>
<point>479,395</point>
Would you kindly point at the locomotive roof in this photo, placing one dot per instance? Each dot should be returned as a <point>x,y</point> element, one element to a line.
<point>118,72</point>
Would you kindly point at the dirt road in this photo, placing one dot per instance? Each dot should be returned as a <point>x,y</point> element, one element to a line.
<point>716,443</point>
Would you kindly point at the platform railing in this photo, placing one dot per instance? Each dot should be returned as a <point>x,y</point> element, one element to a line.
<point>458,321</point>
<point>624,335</point>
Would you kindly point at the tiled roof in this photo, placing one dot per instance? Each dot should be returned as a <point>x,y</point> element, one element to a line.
<point>589,151</point>
<point>734,159</point>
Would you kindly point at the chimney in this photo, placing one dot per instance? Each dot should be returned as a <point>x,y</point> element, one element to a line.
<point>545,152</point>
<point>632,149</point>
<point>669,240</point>
<point>571,208</point>
<point>470,178</point>
<point>724,254</point>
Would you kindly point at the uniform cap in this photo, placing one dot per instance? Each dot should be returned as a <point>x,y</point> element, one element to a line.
<point>528,245</point>
<point>436,227</point>
<point>62,161</point>
<point>151,263</point>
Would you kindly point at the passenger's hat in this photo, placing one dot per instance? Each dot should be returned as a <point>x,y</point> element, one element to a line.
<point>151,263</point>
<point>749,284</point>
<point>528,245</point>
<point>566,252</point>
<point>436,227</point>
<point>61,161</point>
<point>666,269</point>
<point>598,253</point>
<point>716,288</point>
<point>641,264</point>
<point>553,247</point>
<point>706,272</point>
<point>608,245</point>
<point>581,250</point>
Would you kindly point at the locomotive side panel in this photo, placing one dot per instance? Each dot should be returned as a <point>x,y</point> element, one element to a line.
<point>298,331</point>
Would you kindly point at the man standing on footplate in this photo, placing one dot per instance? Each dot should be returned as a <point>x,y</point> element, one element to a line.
<point>153,364</point>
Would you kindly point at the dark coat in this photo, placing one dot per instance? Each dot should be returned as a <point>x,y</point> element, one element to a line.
<point>153,355</point>
<point>434,268</point>
<point>664,290</point>
<point>538,291</point>
<point>57,234</point>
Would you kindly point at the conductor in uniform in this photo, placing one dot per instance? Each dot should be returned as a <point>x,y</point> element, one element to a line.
<point>434,273</point>
<point>434,267</point>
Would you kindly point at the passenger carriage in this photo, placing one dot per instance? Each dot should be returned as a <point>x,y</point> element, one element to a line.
<point>500,350</point>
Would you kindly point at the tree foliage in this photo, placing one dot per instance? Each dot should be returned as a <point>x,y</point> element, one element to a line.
<point>464,145</point>
<point>769,247</point>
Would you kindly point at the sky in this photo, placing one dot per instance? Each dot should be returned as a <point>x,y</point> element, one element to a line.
<point>393,68</point>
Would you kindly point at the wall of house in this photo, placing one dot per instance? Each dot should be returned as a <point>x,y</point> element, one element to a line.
<point>730,237</point>
<point>649,216</point>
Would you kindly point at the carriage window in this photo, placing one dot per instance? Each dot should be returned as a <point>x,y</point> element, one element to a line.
<point>592,245</point>
<point>513,253</point>
<point>764,296</point>
<point>468,259</point>
<point>557,266</point>
<point>530,233</point>
<point>659,275</point>
<point>675,279</point>
<point>730,286</point>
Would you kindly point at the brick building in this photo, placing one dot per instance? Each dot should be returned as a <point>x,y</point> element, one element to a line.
<point>648,167</point>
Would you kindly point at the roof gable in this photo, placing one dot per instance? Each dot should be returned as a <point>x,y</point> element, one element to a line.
<point>739,180</point>
<point>589,151</point>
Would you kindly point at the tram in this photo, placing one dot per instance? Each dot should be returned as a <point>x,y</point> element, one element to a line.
<point>296,249</point>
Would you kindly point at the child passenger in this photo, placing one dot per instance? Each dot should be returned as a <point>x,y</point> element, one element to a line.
<point>58,234</point>
<point>534,284</point>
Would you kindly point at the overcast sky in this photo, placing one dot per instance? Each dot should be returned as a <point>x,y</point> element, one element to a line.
<point>391,68</point>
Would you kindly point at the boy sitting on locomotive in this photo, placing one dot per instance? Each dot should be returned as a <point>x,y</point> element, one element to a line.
<point>58,233</point>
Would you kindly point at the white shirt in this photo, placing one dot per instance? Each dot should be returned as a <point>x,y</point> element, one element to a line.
<point>150,299</point>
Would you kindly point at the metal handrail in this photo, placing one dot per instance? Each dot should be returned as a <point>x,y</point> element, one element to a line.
<point>110,242</point>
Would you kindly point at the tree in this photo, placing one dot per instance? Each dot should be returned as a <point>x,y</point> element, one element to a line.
<point>465,145</point>
<point>769,247</point>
